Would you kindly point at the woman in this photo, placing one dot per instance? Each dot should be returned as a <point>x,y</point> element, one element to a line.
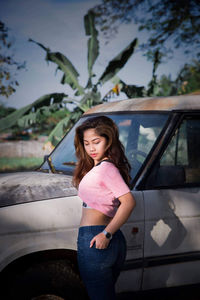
<point>102,178</point>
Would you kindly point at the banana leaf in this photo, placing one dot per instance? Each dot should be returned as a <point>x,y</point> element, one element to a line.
<point>157,60</point>
<point>27,120</point>
<point>37,117</point>
<point>45,100</point>
<point>70,75</point>
<point>93,43</point>
<point>92,98</point>
<point>88,100</point>
<point>48,110</point>
<point>131,90</point>
<point>118,62</point>
<point>153,86</point>
<point>58,131</point>
<point>63,127</point>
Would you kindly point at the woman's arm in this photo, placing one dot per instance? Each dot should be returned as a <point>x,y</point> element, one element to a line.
<point>127,204</point>
<point>126,207</point>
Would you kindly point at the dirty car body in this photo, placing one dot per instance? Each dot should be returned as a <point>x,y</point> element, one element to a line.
<point>40,211</point>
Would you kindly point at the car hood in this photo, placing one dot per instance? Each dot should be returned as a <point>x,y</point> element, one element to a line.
<point>24,187</point>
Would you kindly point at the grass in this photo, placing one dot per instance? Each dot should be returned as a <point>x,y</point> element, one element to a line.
<point>17,164</point>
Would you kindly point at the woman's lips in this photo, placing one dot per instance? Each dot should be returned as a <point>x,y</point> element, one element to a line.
<point>93,154</point>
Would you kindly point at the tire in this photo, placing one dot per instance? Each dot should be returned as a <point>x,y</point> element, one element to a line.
<point>46,280</point>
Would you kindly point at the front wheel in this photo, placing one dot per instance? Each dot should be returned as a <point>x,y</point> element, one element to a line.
<point>51,279</point>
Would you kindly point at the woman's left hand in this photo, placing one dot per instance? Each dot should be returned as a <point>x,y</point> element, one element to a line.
<point>100,240</point>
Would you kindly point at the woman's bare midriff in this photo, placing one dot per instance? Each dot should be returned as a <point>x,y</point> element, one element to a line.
<point>92,217</point>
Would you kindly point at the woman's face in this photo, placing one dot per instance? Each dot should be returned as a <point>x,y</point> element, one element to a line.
<point>95,145</point>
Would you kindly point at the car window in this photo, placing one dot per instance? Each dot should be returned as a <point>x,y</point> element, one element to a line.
<point>137,132</point>
<point>180,163</point>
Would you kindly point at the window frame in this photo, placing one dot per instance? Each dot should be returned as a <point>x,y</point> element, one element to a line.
<point>147,112</point>
<point>159,148</point>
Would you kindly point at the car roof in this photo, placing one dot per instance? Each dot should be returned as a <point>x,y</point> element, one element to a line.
<point>183,102</point>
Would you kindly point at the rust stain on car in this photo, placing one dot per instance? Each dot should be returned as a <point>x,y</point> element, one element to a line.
<point>183,102</point>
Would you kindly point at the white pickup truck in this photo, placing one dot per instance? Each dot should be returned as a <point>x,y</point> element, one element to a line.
<point>40,210</point>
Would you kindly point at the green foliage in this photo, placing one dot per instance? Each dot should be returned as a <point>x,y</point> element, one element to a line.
<point>132,91</point>
<point>186,82</point>
<point>83,98</point>
<point>14,164</point>
<point>188,79</point>
<point>5,111</point>
<point>70,74</point>
<point>90,95</point>
<point>167,87</point>
<point>164,20</point>
<point>93,44</point>
<point>8,66</point>
<point>155,56</point>
<point>118,62</point>
<point>26,116</point>
<point>63,127</point>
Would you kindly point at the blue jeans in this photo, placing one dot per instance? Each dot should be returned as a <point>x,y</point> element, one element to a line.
<point>100,268</point>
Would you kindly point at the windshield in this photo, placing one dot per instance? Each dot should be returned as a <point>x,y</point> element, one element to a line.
<point>138,132</point>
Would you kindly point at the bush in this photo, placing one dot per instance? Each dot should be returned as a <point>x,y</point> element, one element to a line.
<point>17,164</point>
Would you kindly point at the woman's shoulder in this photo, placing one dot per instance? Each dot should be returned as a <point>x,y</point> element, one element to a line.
<point>108,166</point>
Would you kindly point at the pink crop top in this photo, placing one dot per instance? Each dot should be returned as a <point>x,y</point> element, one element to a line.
<point>101,187</point>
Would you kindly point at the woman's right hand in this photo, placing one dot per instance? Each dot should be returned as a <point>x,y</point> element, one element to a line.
<point>100,241</point>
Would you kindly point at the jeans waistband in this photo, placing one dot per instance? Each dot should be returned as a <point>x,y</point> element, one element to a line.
<point>95,229</point>
<point>92,228</point>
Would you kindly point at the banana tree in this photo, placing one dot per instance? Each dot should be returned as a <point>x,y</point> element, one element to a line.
<point>90,94</point>
<point>83,97</point>
<point>153,86</point>
<point>133,91</point>
<point>27,115</point>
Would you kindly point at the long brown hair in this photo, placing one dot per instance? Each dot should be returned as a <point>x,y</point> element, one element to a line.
<point>105,127</point>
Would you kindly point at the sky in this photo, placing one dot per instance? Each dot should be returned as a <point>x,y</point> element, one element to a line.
<point>58,24</point>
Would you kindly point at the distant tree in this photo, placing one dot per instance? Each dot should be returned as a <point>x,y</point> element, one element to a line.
<point>172,21</point>
<point>166,86</point>
<point>5,111</point>
<point>8,65</point>
<point>188,79</point>
<point>186,82</point>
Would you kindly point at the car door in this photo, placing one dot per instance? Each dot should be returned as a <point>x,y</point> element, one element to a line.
<point>172,210</point>
<point>131,276</point>
<point>138,132</point>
